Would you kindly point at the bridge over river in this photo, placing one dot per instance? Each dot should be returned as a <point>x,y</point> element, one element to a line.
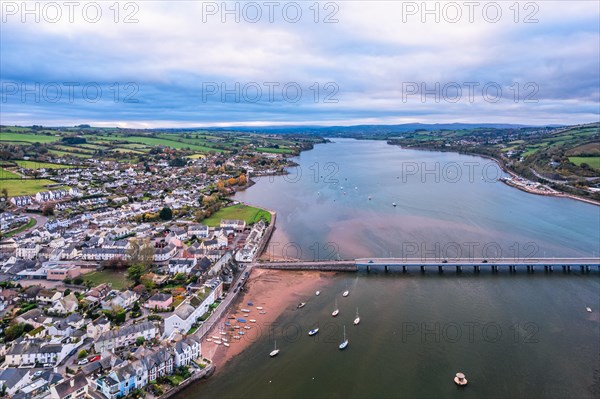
<point>529,264</point>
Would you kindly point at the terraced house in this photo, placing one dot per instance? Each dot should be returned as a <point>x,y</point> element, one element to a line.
<point>125,336</point>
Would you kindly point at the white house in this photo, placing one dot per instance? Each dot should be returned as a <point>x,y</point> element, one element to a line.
<point>28,251</point>
<point>188,312</point>
<point>186,351</point>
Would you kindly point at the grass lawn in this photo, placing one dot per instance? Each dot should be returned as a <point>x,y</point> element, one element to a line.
<point>116,279</point>
<point>41,165</point>
<point>25,186</point>
<point>248,213</point>
<point>32,222</point>
<point>6,174</point>
<point>594,162</point>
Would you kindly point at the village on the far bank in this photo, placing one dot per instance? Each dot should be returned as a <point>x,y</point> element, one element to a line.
<point>108,276</point>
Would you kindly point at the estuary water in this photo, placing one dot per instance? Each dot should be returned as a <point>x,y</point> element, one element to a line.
<point>513,335</point>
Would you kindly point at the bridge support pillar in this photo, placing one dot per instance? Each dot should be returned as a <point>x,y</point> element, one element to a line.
<point>368,268</point>
<point>587,268</point>
<point>386,268</point>
<point>476,268</point>
<point>564,269</point>
<point>403,269</point>
<point>458,269</point>
<point>532,268</point>
<point>582,268</point>
<point>494,269</point>
<point>545,268</point>
<point>550,267</point>
<point>528,269</point>
<point>422,269</point>
<point>441,269</point>
<point>568,268</point>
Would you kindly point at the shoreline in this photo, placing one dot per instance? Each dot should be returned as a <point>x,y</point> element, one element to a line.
<point>276,291</point>
<point>557,194</point>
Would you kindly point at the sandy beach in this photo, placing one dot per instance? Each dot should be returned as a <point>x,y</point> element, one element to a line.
<point>272,290</point>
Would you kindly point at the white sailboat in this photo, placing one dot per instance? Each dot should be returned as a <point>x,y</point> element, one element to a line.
<point>589,309</point>
<point>344,343</point>
<point>346,293</point>
<point>313,331</point>
<point>318,293</point>
<point>336,311</point>
<point>357,319</point>
<point>275,351</point>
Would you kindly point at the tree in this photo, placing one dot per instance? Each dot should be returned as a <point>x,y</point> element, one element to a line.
<point>166,213</point>
<point>136,306</point>
<point>13,332</point>
<point>135,272</point>
<point>139,341</point>
<point>120,316</point>
<point>82,353</point>
<point>141,252</point>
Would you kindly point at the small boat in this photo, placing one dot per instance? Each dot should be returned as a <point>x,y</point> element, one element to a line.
<point>208,339</point>
<point>236,326</point>
<point>460,379</point>
<point>357,319</point>
<point>214,337</point>
<point>241,333</point>
<point>344,343</point>
<point>236,337</point>
<point>336,311</point>
<point>223,333</point>
<point>224,339</point>
<point>227,323</point>
<point>250,304</point>
<point>245,310</point>
<point>301,305</point>
<point>394,204</point>
<point>259,307</point>
<point>217,342</point>
<point>346,293</point>
<point>242,320</point>
<point>313,331</point>
<point>318,293</point>
<point>369,198</point>
<point>226,344</point>
<point>247,327</point>
<point>275,351</point>
<point>252,321</point>
<point>263,312</point>
<point>589,309</point>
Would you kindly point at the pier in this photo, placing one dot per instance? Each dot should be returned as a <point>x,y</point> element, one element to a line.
<point>530,265</point>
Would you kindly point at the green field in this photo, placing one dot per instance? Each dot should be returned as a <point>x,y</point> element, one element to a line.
<point>117,279</point>
<point>276,150</point>
<point>7,174</point>
<point>248,213</point>
<point>594,162</point>
<point>25,186</point>
<point>28,137</point>
<point>41,165</point>
<point>67,154</point>
<point>153,141</point>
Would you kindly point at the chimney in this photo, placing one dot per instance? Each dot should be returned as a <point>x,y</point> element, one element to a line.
<point>72,382</point>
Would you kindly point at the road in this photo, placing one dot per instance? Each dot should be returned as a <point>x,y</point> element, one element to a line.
<point>222,308</point>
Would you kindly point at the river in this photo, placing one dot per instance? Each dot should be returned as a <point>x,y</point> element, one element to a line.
<point>513,335</point>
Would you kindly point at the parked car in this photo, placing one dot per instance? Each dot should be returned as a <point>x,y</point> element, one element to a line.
<point>83,361</point>
<point>94,358</point>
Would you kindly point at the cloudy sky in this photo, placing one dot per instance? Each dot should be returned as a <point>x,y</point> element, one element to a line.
<point>193,63</point>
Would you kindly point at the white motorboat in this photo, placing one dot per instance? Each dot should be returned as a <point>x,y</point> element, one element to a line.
<point>275,351</point>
